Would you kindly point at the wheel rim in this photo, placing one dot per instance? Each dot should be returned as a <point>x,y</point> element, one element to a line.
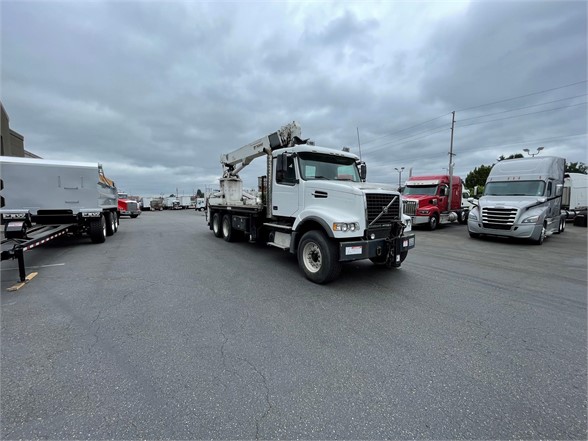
<point>312,257</point>
<point>433,222</point>
<point>215,225</point>
<point>226,230</point>
<point>104,229</point>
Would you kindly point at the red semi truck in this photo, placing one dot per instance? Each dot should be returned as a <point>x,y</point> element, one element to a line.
<point>426,199</point>
<point>128,207</point>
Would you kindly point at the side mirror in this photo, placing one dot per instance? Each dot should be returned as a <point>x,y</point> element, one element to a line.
<point>559,189</point>
<point>362,171</point>
<point>281,166</point>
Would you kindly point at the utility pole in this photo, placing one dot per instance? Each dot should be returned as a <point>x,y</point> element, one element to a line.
<point>451,154</point>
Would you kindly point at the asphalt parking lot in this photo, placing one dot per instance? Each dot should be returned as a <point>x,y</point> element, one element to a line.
<point>165,331</point>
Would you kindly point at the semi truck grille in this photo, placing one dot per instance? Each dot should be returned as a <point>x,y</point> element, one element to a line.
<point>409,207</point>
<point>376,202</point>
<point>499,218</point>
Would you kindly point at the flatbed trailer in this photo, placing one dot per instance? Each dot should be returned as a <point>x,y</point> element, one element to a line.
<point>18,240</point>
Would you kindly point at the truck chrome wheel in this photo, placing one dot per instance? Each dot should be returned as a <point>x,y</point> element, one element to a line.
<point>216,225</point>
<point>312,257</point>
<point>228,232</point>
<point>541,238</point>
<point>318,257</point>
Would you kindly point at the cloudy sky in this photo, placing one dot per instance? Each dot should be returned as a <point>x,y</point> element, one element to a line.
<point>157,90</point>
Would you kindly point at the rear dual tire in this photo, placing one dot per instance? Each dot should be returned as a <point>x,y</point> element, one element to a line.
<point>98,230</point>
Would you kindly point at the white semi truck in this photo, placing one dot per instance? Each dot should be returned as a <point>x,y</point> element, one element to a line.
<point>522,199</point>
<point>314,203</point>
<point>43,199</point>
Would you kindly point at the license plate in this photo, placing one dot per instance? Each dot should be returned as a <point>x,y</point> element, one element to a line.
<point>349,251</point>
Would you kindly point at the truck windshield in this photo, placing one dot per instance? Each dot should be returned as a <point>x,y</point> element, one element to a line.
<point>330,167</point>
<point>429,190</point>
<point>515,188</point>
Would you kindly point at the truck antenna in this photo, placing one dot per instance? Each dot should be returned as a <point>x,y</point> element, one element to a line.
<point>358,143</point>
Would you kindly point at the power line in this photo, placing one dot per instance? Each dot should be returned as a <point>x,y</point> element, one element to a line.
<point>522,108</point>
<point>523,114</point>
<point>408,128</point>
<point>476,148</point>
<point>523,96</point>
<point>408,139</point>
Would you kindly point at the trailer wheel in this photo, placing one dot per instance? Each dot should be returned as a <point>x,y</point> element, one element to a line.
<point>433,222</point>
<point>109,221</point>
<point>216,225</point>
<point>98,230</point>
<point>317,257</point>
<point>116,218</point>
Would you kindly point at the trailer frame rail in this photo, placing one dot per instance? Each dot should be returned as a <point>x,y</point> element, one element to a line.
<point>32,238</point>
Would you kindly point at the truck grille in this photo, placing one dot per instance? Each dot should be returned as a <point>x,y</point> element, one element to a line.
<point>376,203</point>
<point>409,207</point>
<point>499,218</point>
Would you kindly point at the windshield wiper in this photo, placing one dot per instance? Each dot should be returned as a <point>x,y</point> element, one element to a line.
<point>321,177</point>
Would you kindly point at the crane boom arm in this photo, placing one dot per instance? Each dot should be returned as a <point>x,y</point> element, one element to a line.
<point>288,135</point>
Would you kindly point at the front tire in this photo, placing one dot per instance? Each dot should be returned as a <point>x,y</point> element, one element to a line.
<point>539,241</point>
<point>474,235</point>
<point>318,257</point>
<point>98,230</point>
<point>463,217</point>
<point>433,222</point>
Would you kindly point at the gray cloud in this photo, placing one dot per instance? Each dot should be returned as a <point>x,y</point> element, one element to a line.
<point>156,91</point>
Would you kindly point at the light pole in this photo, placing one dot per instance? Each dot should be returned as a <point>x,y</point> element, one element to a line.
<point>399,170</point>
<point>533,154</point>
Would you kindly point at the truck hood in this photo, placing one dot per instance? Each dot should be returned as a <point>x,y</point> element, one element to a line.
<point>509,201</point>
<point>421,199</point>
<point>351,187</point>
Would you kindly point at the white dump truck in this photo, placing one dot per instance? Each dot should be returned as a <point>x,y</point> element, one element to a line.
<point>522,199</point>
<point>43,199</point>
<point>314,203</point>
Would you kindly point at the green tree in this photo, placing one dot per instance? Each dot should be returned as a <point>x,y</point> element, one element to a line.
<point>513,156</point>
<point>477,176</point>
<point>576,167</point>
<point>199,193</point>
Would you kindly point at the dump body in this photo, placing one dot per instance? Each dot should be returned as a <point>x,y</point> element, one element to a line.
<point>41,185</point>
<point>522,199</point>
<point>43,199</point>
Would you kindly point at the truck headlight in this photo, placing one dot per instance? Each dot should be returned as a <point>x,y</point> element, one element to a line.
<point>345,226</point>
<point>531,220</point>
<point>472,216</point>
<point>425,212</point>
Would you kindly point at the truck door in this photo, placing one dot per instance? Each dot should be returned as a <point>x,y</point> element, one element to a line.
<point>285,186</point>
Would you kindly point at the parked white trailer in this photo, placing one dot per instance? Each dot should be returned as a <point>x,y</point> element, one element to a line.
<point>146,203</point>
<point>575,194</point>
<point>185,201</point>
